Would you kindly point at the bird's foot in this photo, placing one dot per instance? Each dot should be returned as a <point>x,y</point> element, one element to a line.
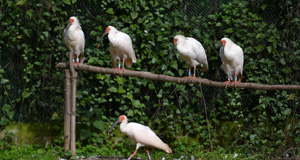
<point>227,82</point>
<point>116,69</point>
<point>123,69</point>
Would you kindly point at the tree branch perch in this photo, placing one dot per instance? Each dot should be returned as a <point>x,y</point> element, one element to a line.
<point>161,77</point>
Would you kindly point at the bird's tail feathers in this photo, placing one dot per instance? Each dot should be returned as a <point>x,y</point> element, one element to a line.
<point>133,58</point>
<point>128,62</point>
<point>167,149</point>
<point>239,77</point>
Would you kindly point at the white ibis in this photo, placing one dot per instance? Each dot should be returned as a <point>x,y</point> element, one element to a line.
<point>232,58</point>
<point>120,47</point>
<point>74,38</point>
<point>141,135</point>
<point>192,52</point>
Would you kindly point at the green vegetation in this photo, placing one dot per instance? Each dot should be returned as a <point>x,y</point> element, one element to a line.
<point>206,122</point>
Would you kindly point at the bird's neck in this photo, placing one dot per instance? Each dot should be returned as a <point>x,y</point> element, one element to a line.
<point>123,126</point>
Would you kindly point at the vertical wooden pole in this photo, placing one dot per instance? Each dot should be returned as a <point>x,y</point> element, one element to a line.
<point>67,119</point>
<point>74,75</point>
<point>73,111</point>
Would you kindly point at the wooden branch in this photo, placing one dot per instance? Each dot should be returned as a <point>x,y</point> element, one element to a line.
<point>161,77</point>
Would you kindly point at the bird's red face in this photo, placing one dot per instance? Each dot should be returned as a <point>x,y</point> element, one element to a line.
<point>175,41</point>
<point>107,30</point>
<point>71,20</point>
<point>223,42</point>
<point>122,118</point>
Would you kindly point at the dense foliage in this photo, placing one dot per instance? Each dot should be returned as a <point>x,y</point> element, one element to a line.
<point>192,119</point>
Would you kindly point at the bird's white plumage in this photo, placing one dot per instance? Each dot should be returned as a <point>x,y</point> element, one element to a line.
<point>232,58</point>
<point>192,52</point>
<point>120,46</point>
<point>74,37</point>
<point>142,135</point>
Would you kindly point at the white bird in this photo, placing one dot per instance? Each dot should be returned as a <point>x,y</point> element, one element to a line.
<point>141,135</point>
<point>120,47</point>
<point>192,52</point>
<point>74,38</point>
<point>232,58</point>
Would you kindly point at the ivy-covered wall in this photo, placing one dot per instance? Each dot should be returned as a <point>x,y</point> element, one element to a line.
<point>189,117</point>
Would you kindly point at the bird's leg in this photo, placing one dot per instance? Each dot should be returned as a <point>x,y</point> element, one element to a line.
<point>117,69</point>
<point>235,80</point>
<point>194,71</point>
<point>148,153</point>
<point>227,82</point>
<point>189,72</point>
<point>73,55</point>
<point>77,58</point>
<point>133,154</point>
<point>123,64</point>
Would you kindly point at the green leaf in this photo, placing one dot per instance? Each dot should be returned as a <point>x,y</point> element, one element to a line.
<point>10,114</point>
<point>121,90</point>
<point>69,2</point>
<point>229,30</point>
<point>27,32</point>
<point>130,113</point>
<point>287,112</point>
<point>113,89</point>
<point>219,24</point>
<point>134,15</point>
<point>99,124</point>
<point>21,2</point>
<point>25,94</point>
<point>84,133</point>
<point>29,13</point>
<point>110,11</point>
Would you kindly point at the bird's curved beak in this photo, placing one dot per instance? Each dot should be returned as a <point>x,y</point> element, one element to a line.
<point>222,49</point>
<point>113,126</point>
<point>103,36</point>
<point>171,51</point>
<point>101,39</point>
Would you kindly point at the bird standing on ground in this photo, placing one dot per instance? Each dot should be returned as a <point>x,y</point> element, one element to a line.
<point>74,39</point>
<point>232,58</point>
<point>191,51</point>
<point>120,47</point>
<point>141,135</point>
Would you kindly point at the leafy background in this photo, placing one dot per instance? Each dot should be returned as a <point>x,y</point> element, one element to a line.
<point>192,119</point>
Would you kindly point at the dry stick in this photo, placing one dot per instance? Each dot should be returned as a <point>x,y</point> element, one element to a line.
<point>161,77</point>
<point>67,118</point>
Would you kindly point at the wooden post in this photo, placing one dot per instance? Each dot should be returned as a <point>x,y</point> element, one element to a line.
<point>73,111</point>
<point>74,76</point>
<point>67,119</point>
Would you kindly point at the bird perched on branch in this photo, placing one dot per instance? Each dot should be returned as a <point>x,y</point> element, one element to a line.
<point>232,58</point>
<point>192,52</point>
<point>74,39</point>
<point>141,135</point>
<point>120,47</point>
